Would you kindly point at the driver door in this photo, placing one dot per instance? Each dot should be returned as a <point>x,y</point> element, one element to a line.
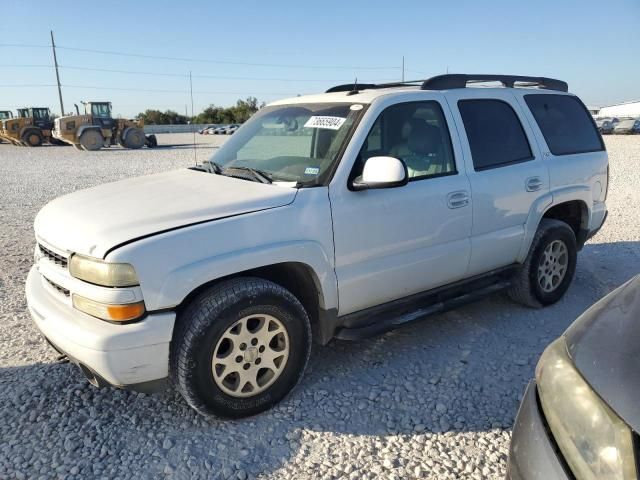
<point>394,242</point>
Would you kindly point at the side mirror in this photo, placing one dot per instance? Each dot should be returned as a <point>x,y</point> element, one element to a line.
<point>382,172</point>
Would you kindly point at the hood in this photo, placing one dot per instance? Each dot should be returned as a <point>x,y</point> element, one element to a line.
<point>604,344</point>
<point>95,220</point>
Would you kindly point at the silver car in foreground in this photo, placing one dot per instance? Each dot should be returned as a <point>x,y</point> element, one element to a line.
<point>580,417</point>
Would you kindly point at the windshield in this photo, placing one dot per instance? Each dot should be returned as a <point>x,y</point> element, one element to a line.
<point>41,113</point>
<point>291,143</point>
<point>101,110</point>
<point>5,115</point>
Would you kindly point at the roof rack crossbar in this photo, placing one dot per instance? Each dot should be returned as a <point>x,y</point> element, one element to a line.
<point>347,87</point>
<point>460,80</point>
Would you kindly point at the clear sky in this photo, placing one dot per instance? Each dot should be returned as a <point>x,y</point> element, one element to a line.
<point>272,49</point>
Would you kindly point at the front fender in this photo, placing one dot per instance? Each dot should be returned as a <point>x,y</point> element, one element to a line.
<point>182,281</point>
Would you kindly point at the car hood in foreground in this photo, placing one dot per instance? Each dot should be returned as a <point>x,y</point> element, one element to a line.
<point>96,220</point>
<point>604,344</point>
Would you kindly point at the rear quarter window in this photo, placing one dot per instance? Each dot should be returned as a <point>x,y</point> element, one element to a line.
<point>565,123</point>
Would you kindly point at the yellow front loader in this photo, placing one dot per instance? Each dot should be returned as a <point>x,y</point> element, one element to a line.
<point>97,129</point>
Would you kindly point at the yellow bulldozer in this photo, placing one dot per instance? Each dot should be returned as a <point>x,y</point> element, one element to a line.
<point>97,128</point>
<point>32,127</point>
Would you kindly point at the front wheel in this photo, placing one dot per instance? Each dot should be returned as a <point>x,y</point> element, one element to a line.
<point>33,138</point>
<point>548,269</point>
<point>240,347</point>
<point>134,138</point>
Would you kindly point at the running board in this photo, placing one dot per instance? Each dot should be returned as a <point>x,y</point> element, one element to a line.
<point>394,316</point>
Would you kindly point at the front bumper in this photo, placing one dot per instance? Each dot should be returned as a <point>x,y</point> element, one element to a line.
<point>134,356</point>
<point>532,454</point>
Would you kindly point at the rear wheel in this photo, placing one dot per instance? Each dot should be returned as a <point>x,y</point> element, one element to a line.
<point>32,138</point>
<point>548,270</point>
<point>91,140</point>
<point>240,347</point>
<point>134,139</point>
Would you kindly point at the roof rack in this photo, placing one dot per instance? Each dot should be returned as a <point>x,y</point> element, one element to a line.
<point>459,80</point>
<point>354,87</point>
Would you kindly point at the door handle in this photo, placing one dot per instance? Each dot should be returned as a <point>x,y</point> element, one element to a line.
<point>457,199</point>
<point>533,184</point>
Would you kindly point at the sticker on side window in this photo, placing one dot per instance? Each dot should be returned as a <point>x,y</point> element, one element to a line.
<point>331,123</point>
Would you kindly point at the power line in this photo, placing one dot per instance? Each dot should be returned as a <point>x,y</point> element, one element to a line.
<point>202,60</point>
<point>147,90</point>
<point>180,75</point>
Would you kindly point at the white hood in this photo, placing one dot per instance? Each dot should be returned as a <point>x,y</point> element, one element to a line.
<point>95,220</point>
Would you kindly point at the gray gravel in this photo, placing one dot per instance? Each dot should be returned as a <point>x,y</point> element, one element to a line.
<point>434,400</point>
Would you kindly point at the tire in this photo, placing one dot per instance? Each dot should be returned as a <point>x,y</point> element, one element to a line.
<point>32,138</point>
<point>134,139</point>
<point>91,140</point>
<point>542,281</point>
<point>151,141</point>
<point>205,332</point>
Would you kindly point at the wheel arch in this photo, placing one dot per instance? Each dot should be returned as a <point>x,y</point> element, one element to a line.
<point>297,277</point>
<point>570,205</point>
<point>83,128</point>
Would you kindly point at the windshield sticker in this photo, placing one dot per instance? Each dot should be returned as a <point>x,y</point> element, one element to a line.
<point>355,107</point>
<point>311,171</point>
<point>331,123</point>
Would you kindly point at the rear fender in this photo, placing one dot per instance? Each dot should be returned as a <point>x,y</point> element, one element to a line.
<point>544,203</point>
<point>83,128</point>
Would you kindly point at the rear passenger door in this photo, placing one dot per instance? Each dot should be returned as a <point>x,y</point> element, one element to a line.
<point>505,169</point>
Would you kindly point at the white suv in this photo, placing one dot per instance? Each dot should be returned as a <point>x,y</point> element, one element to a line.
<point>339,215</point>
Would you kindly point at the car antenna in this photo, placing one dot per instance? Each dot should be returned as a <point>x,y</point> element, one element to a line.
<point>355,88</point>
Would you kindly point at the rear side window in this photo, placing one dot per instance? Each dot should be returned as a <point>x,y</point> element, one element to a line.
<point>565,123</point>
<point>495,134</point>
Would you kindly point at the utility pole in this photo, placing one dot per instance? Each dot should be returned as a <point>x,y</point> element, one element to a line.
<point>193,127</point>
<point>402,68</point>
<point>55,62</point>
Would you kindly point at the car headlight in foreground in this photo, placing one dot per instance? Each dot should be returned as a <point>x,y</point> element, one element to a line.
<point>594,441</point>
<point>103,273</point>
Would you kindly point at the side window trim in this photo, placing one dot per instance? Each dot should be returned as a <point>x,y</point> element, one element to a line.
<point>383,139</point>
<point>531,156</point>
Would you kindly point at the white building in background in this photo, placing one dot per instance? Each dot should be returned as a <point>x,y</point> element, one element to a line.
<point>627,109</point>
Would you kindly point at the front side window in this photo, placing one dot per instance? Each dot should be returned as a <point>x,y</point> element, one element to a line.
<point>495,134</point>
<point>415,132</point>
<point>565,124</point>
<point>291,143</point>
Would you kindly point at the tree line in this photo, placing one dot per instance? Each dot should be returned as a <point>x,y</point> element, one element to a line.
<point>239,113</point>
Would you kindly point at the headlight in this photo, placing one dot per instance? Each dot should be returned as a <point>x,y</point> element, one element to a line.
<point>102,273</point>
<point>595,442</point>
<point>113,313</point>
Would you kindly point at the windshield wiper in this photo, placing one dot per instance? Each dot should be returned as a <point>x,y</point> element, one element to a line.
<point>259,175</point>
<point>212,167</point>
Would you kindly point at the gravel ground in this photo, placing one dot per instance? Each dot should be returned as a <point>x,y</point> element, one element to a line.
<point>433,400</point>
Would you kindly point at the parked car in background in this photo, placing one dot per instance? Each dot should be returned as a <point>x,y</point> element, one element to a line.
<point>231,129</point>
<point>628,126</point>
<point>580,417</point>
<point>605,126</point>
<point>203,131</point>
